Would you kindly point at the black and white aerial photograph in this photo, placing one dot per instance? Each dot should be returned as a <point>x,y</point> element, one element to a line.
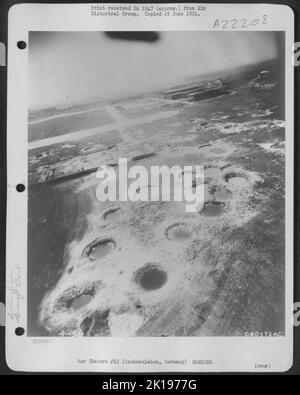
<point>148,267</point>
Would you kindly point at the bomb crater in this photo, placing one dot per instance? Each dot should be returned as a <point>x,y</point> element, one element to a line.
<point>178,232</point>
<point>151,277</point>
<point>235,178</point>
<point>214,209</point>
<point>99,248</point>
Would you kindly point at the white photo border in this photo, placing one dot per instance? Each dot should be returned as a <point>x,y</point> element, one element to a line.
<point>230,354</point>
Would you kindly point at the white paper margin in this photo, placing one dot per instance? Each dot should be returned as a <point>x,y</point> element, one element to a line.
<point>61,354</point>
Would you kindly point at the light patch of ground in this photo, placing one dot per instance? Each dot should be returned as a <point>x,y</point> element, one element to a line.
<point>276,148</point>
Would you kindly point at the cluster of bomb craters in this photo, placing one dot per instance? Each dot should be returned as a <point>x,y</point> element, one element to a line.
<point>223,185</point>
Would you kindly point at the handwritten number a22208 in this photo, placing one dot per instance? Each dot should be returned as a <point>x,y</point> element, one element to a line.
<point>232,24</point>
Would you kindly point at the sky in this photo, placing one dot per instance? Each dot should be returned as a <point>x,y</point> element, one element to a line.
<point>67,68</point>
